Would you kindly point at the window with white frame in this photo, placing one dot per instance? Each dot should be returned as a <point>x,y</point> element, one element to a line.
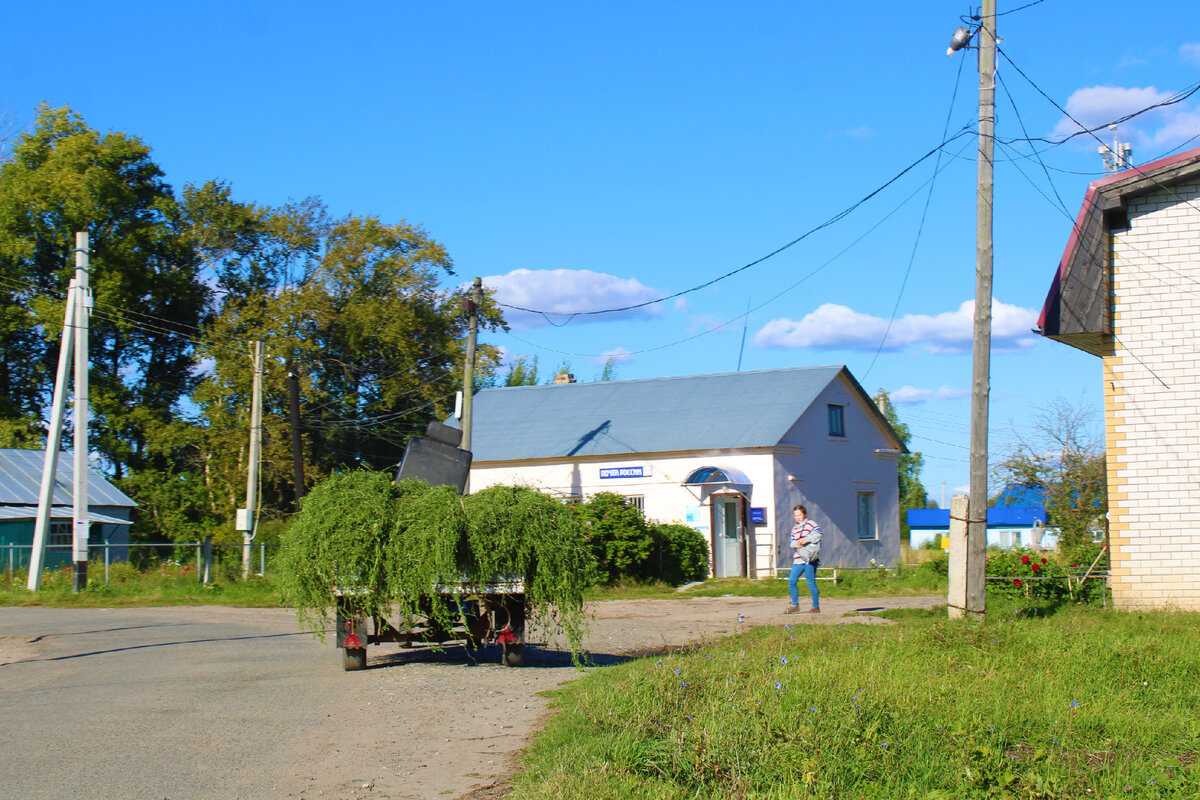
<point>866,516</point>
<point>60,535</point>
<point>637,501</point>
<point>837,420</point>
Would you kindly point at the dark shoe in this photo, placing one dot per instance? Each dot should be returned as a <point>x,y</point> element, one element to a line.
<point>792,609</point>
<point>814,610</point>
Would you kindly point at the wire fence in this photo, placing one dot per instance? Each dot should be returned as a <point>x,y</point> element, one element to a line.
<point>209,558</point>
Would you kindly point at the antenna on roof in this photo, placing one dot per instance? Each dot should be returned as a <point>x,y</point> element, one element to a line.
<point>745,324</point>
<point>1117,157</point>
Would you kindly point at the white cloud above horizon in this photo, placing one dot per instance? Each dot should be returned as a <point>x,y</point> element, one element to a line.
<point>837,327</point>
<point>619,355</point>
<point>1190,52</point>
<point>910,395</point>
<point>568,291</point>
<point>1158,129</point>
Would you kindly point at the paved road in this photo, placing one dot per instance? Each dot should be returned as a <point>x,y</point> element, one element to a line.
<point>182,703</point>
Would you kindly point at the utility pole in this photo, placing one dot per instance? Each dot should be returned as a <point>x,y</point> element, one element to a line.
<point>37,555</point>
<point>246,516</point>
<point>976,544</point>
<point>81,521</point>
<point>297,443</point>
<point>471,307</point>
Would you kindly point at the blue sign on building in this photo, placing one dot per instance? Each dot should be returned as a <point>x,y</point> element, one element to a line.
<point>758,515</point>
<point>625,472</point>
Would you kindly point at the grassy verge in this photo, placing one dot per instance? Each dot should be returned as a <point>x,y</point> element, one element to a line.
<point>166,585</point>
<point>1078,704</point>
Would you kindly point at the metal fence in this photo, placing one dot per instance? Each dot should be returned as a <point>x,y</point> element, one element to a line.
<point>206,556</point>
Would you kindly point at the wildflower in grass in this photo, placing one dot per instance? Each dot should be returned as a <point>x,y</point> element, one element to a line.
<point>1074,704</point>
<point>740,618</point>
<point>678,672</point>
<point>778,685</point>
<point>810,708</point>
<point>659,662</point>
<point>783,660</point>
<point>683,684</point>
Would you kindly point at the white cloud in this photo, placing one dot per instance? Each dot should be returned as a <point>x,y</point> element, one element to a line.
<point>907,395</point>
<point>1155,130</point>
<point>561,292</point>
<point>1190,52</point>
<point>836,327</point>
<point>619,355</point>
<point>681,304</point>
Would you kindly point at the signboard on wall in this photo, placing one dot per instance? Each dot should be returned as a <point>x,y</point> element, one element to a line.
<point>626,472</point>
<point>758,515</point>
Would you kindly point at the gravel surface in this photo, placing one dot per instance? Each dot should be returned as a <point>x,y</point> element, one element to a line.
<point>213,702</point>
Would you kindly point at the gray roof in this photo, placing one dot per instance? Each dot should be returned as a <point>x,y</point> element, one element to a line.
<point>697,412</point>
<point>56,512</point>
<point>21,480</point>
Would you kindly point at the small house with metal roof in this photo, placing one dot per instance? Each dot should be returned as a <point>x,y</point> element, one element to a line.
<point>109,510</point>
<point>728,454</point>
<point>1125,291</point>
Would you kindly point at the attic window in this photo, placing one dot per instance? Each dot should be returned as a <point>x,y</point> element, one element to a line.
<point>837,421</point>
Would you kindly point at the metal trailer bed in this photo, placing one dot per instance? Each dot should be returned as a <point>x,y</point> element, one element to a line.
<point>495,614</point>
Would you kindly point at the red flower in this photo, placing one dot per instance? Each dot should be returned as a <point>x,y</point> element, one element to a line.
<point>1024,559</point>
<point>1017,582</point>
<point>1036,567</point>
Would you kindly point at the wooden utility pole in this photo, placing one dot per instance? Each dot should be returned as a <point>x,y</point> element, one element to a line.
<point>471,307</point>
<point>297,443</point>
<point>981,354</point>
<point>246,519</point>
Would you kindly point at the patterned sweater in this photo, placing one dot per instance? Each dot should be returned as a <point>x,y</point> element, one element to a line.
<point>809,533</point>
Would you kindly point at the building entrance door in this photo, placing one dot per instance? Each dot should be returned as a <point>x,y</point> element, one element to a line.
<point>727,536</point>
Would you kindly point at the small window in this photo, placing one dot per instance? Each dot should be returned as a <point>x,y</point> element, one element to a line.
<point>638,502</point>
<point>837,420</point>
<point>866,516</point>
<point>60,535</point>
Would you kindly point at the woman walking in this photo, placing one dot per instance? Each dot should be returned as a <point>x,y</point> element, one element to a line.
<point>806,546</point>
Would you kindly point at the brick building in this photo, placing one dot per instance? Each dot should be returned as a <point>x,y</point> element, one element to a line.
<point>1128,291</point>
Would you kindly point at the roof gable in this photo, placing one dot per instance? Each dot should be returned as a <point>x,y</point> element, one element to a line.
<point>1076,311</point>
<point>697,412</point>
<point>21,480</point>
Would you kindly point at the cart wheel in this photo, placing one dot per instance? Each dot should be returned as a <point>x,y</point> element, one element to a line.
<point>513,657</point>
<point>354,658</point>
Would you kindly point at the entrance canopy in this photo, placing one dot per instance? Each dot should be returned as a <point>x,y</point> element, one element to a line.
<point>721,476</point>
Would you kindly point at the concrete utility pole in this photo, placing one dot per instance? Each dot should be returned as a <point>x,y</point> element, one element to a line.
<point>81,521</point>
<point>246,517</point>
<point>37,556</point>
<point>471,307</point>
<point>297,442</point>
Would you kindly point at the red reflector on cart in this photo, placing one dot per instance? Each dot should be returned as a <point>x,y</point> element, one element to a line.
<point>506,637</point>
<point>351,640</point>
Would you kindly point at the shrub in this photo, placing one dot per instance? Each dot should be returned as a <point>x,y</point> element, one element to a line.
<point>680,554</point>
<point>619,537</point>
<point>1025,574</point>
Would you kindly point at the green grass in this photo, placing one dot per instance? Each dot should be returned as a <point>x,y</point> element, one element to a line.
<point>1079,704</point>
<point>165,585</point>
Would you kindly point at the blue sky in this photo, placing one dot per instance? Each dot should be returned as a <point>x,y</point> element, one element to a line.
<point>582,158</point>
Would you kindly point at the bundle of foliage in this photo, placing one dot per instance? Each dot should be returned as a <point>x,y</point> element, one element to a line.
<point>338,542</point>
<point>424,550</point>
<point>680,554</point>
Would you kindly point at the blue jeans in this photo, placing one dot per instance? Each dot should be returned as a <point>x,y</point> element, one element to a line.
<point>810,577</point>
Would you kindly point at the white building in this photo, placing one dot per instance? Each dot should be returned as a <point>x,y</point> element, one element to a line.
<point>728,454</point>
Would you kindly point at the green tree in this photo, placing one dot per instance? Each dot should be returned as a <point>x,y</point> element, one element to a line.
<point>63,177</point>
<point>1062,456</point>
<point>522,372</point>
<point>912,491</point>
<point>609,372</point>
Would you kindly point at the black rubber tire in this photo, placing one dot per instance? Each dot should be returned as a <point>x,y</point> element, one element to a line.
<point>354,658</point>
<point>513,655</point>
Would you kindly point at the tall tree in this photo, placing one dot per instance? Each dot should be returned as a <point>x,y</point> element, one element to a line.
<point>64,177</point>
<point>523,371</point>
